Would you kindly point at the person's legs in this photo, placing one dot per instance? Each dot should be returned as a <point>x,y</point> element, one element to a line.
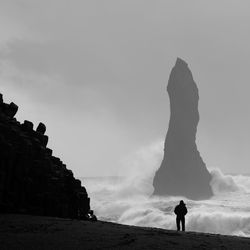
<point>183,223</point>
<point>178,220</point>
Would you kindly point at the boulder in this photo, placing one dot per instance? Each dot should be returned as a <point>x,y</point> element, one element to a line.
<point>41,128</point>
<point>27,126</point>
<point>10,109</point>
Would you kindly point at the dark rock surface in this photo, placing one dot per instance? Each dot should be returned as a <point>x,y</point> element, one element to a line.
<point>182,171</point>
<point>27,232</point>
<point>32,180</point>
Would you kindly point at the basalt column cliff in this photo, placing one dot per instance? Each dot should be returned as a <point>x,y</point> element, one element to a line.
<point>182,171</point>
<point>32,180</point>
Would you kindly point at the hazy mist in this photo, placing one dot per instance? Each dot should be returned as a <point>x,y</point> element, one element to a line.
<point>95,72</point>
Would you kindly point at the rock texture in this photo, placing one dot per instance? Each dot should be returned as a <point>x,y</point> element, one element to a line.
<point>32,180</point>
<point>182,172</point>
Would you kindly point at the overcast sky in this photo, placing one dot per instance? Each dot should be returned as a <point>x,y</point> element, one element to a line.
<point>95,72</point>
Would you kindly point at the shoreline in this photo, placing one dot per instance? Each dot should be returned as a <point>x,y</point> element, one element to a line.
<point>37,232</point>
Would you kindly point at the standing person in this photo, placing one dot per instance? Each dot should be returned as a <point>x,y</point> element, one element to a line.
<point>180,211</point>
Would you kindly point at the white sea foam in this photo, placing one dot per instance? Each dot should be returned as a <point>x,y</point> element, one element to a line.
<point>128,200</point>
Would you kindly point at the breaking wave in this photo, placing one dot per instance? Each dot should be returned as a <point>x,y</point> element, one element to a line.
<point>128,200</point>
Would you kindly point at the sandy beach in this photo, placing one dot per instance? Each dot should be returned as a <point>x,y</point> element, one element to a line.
<point>35,232</point>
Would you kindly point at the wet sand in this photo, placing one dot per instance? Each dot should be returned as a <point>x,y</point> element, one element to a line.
<point>35,232</point>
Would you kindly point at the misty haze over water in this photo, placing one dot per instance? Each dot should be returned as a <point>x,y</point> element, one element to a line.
<point>96,74</point>
<point>228,212</point>
<point>128,200</point>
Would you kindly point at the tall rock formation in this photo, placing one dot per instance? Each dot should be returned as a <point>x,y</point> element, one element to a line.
<point>182,171</point>
<point>32,180</point>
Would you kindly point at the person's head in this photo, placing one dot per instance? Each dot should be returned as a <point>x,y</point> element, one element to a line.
<point>182,202</point>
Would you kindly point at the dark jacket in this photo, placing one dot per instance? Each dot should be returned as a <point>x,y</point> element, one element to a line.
<point>180,210</point>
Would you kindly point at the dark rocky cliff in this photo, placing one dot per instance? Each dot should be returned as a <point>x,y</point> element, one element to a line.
<point>32,180</point>
<point>182,171</point>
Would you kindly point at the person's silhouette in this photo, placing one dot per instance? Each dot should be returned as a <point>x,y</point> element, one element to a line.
<point>180,211</point>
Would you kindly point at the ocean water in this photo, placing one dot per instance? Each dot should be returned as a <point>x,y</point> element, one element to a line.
<point>128,200</point>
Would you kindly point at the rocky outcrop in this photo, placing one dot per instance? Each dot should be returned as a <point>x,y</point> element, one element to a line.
<point>32,180</point>
<point>182,171</point>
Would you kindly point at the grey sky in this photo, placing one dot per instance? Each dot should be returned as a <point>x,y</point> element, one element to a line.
<point>96,73</point>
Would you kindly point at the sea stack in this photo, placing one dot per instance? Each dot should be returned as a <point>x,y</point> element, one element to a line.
<point>182,171</point>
